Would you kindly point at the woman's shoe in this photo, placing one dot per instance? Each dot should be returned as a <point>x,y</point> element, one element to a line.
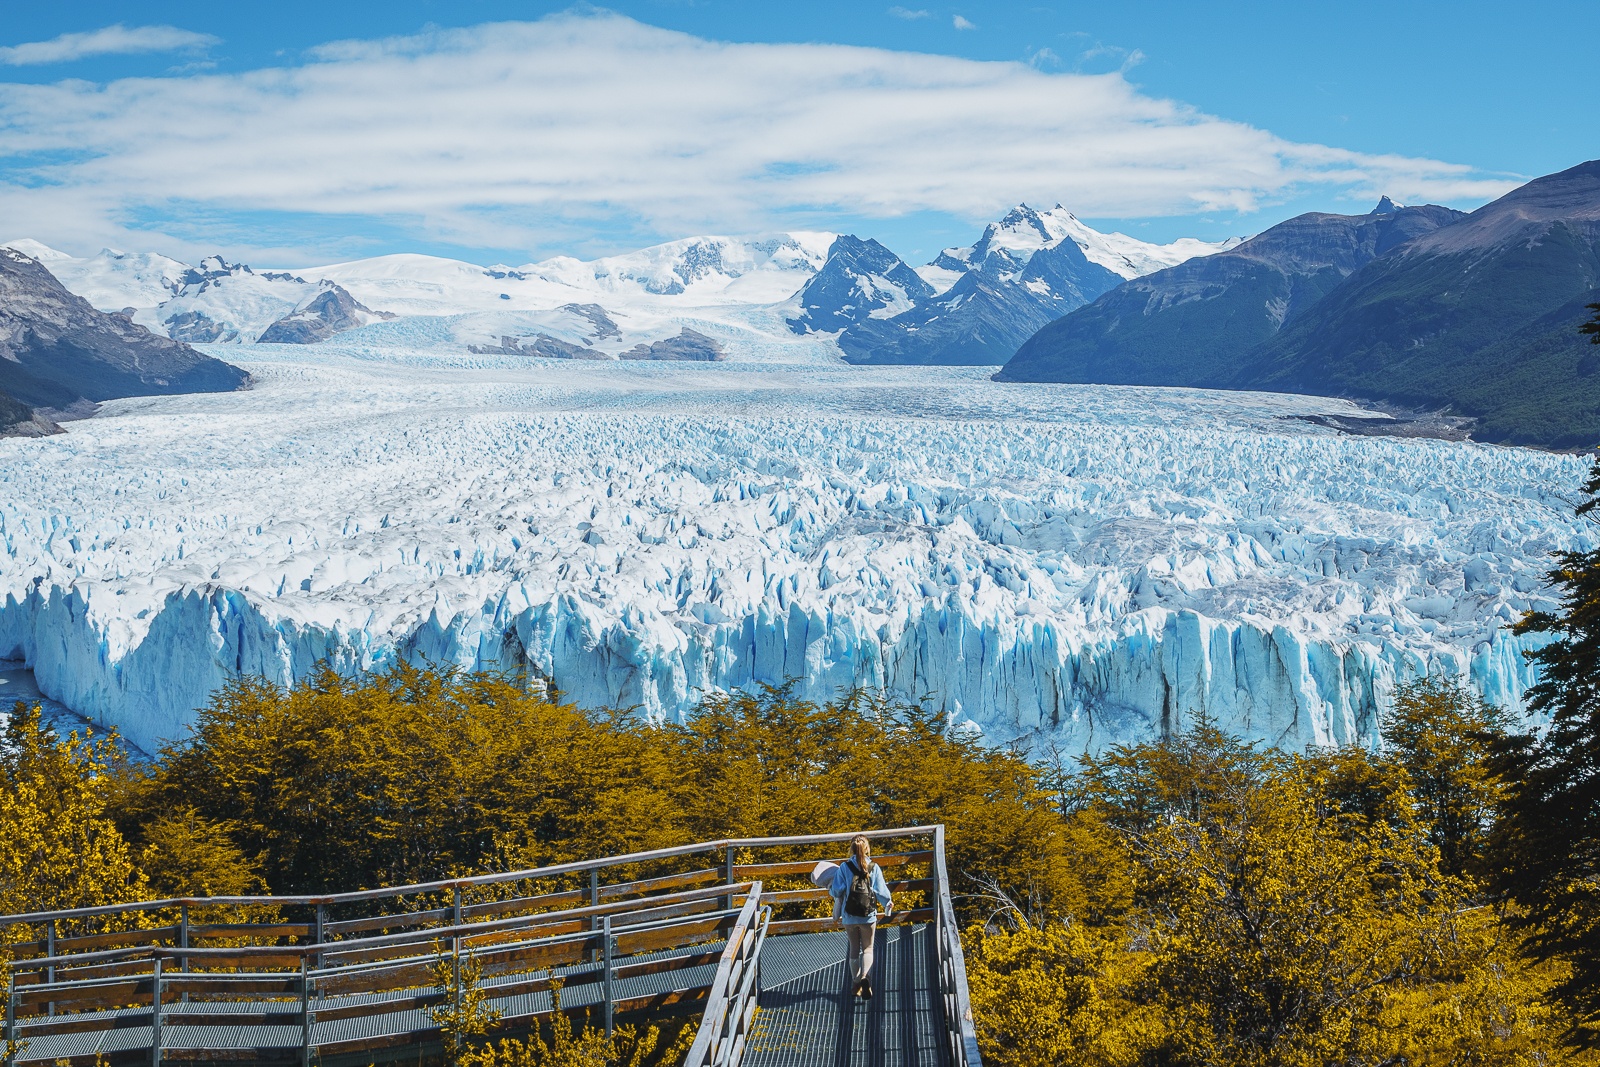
<point>866,989</point>
<point>855,990</point>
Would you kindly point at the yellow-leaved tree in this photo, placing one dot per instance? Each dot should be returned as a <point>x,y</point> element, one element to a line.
<point>59,847</point>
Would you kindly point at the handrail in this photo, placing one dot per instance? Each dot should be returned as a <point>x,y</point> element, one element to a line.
<point>574,867</point>
<point>334,948</point>
<point>732,990</point>
<point>959,1024</point>
<point>136,955</point>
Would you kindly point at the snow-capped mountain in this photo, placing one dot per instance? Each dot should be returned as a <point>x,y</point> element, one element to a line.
<point>976,304</point>
<point>327,311</point>
<point>861,281</point>
<point>971,305</point>
<point>113,280</point>
<point>649,296</point>
<point>60,355</point>
<point>1196,323</point>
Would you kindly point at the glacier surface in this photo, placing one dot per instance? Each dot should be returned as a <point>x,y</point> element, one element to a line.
<point>1086,564</point>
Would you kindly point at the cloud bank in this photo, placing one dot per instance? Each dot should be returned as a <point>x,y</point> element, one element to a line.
<point>112,40</point>
<point>498,136</point>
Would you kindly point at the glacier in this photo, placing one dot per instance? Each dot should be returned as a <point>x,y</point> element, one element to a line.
<point>1072,564</point>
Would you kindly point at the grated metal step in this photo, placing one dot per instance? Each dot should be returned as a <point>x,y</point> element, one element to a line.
<point>807,1017</point>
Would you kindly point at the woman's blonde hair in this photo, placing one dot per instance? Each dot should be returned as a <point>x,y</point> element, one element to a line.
<point>861,849</point>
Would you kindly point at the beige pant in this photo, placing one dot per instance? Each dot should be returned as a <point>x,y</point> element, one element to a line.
<point>861,938</point>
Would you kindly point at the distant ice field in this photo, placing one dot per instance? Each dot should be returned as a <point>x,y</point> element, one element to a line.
<point>1080,564</point>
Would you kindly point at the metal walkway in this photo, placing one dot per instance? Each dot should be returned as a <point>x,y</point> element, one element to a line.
<point>365,976</point>
<point>807,1015</point>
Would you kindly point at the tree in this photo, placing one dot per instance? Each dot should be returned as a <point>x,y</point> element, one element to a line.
<point>1444,736</point>
<point>1280,932</point>
<point>59,847</point>
<point>1548,842</point>
<point>186,854</point>
<point>1592,327</point>
<point>1061,995</point>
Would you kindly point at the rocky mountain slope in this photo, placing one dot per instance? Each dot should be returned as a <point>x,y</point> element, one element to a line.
<point>1473,317</point>
<point>60,354</point>
<point>972,305</point>
<point>328,311</point>
<point>1190,324</point>
<point>749,294</point>
<point>1480,317</point>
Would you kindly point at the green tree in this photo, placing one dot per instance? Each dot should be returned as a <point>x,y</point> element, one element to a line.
<point>1548,842</point>
<point>1592,327</point>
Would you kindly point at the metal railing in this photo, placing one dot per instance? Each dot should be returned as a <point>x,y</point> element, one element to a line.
<point>731,1004</point>
<point>389,982</point>
<point>960,1030</point>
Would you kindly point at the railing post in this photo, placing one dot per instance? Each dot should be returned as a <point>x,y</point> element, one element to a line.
<point>155,1015</point>
<point>606,934</point>
<point>455,971</point>
<point>317,930</point>
<point>455,905</point>
<point>307,1020</point>
<point>727,875</point>
<point>50,969</point>
<point>183,942</point>
<point>594,902</point>
<point>11,1015</point>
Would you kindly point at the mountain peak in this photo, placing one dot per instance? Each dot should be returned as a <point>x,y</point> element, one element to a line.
<point>36,250</point>
<point>1386,207</point>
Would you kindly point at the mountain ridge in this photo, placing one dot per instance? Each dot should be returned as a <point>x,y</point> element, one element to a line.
<point>1187,324</point>
<point>1480,318</point>
<point>1023,270</point>
<point>59,354</point>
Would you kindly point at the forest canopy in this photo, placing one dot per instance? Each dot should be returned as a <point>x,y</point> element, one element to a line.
<point>1197,901</point>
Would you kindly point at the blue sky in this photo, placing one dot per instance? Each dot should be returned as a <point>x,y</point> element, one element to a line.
<point>183,126</point>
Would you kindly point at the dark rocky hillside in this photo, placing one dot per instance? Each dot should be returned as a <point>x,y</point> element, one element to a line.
<point>1480,318</point>
<point>1192,324</point>
<point>59,354</point>
<point>1470,316</point>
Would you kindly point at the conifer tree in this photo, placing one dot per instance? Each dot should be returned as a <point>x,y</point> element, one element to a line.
<point>1549,839</point>
<point>1592,327</point>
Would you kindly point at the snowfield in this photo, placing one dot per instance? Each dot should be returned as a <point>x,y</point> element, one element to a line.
<point>1090,563</point>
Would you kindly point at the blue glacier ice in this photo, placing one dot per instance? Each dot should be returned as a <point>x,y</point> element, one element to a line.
<point>1079,564</point>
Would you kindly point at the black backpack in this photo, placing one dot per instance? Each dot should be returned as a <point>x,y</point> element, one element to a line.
<point>860,901</point>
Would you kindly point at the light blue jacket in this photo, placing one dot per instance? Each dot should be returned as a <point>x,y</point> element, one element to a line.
<point>841,889</point>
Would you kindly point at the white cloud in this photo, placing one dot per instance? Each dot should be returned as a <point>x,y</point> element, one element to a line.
<point>112,40</point>
<point>961,23</point>
<point>510,135</point>
<point>907,13</point>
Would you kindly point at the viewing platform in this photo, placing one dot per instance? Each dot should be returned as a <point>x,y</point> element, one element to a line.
<point>745,945</point>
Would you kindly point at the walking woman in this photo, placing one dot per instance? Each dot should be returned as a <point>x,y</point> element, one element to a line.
<point>858,892</point>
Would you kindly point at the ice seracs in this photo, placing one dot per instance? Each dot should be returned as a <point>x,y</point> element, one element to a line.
<point>1083,564</point>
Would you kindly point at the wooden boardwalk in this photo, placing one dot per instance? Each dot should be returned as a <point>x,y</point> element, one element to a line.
<point>744,944</point>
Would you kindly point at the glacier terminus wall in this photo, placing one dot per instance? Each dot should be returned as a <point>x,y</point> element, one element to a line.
<point>1083,564</point>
